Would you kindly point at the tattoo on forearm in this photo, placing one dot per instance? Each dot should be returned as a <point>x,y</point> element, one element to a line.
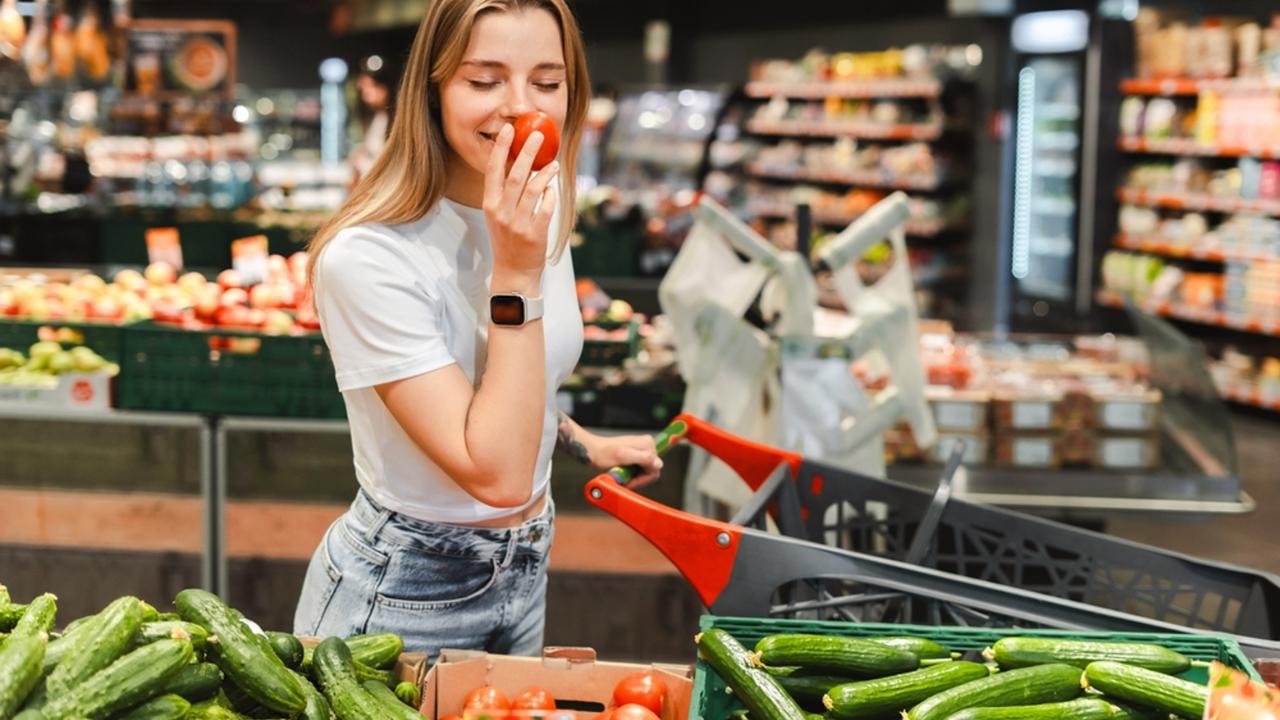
<point>569,443</point>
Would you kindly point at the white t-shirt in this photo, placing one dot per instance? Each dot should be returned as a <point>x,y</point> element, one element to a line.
<point>396,301</point>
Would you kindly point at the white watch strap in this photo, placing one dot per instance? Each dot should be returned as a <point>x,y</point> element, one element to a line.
<point>532,308</point>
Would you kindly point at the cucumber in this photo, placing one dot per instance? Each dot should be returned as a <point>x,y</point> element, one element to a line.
<point>1147,688</point>
<point>162,707</point>
<point>10,614</point>
<point>149,612</point>
<point>838,655</point>
<point>409,694</point>
<point>195,682</point>
<point>377,650</point>
<point>922,648</point>
<point>166,616</point>
<point>161,629</point>
<point>243,656</point>
<point>287,647</point>
<point>21,663</point>
<point>757,689</point>
<point>1125,711</point>
<point>806,689</point>
<point>1078,709</point>
<point>1016,652</point>
<point>211,710</point>
<point>129,681</point>
<point>389,704</point>
<point>95,644</point>
<point>336,674</point>
<point>317,707</point>
<point>1024,686</point>
<point>37,619</point>
<point>365,673</point>
<point>885,696</point>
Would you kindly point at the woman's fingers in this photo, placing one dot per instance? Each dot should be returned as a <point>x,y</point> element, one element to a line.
<point>495,172</point>
<point>518,175</point>
<point>534,191</point>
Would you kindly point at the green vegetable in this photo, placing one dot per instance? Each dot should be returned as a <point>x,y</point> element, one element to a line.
<point>893,694</point>
<point>336,674</point>
<point>1078,709</point>
<point>757,689</point>
<point>95,644</point>
<point>179,629</point>
<point>377,650</point>
<point>392,708</point>
<point>37,619</point>
<point>1147,688</point>
<point>246,658</point>
<point>807,689</point>
<point>197,681</point>
<point>21,663</point>
<point>409,694</point>
<point>922,648</point>
<point>162,707</point>
<point>129,681</point>
<point>287,647</point>
<point>317,706</point>
<point>838,655</point>
<point>1015,652</point>
<point>1024,686</point>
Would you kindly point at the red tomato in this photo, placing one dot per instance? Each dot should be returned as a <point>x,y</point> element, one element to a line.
<point>642,688</point>
<point>487,697</point>
<point>534,698</point>
<point>450,717</point>
<point>525,125</point>
<point>632,711</point>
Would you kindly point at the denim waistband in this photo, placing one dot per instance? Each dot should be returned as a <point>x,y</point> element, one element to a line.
<point>378,525</point>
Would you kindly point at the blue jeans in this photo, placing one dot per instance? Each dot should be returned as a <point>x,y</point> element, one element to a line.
<point>436,585</point>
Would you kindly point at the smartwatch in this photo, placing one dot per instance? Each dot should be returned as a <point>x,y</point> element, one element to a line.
<point>514,309</point>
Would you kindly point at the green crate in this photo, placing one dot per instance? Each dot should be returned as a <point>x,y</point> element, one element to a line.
<point>611,353</point>
<point>105,339</point>
<point>711,700</point>
<point>228,373</point>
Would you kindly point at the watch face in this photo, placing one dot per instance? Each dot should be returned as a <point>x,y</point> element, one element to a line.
<point>506,310</point>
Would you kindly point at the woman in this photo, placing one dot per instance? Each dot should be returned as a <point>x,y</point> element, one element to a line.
<point>373,112</point>
<point>453,416</point>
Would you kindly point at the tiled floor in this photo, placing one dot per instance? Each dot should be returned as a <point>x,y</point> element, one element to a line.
<point>1252,540</point>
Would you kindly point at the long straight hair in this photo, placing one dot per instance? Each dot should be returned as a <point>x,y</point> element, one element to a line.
<point>408,178</point>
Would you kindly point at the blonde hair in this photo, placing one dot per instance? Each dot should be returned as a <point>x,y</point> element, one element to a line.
<point>408,179</point>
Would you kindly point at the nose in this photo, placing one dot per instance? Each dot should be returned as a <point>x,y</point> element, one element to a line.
<point>517,101</point>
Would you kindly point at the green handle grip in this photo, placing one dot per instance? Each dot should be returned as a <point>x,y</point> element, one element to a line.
<point>662,441</point>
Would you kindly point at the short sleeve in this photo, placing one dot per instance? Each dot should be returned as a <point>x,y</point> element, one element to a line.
<point>382,321</point>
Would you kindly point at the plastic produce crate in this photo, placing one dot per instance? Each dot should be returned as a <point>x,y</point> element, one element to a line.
<point>105,339</point>
<point>712,702</point>
<point>611,353</point>
<point>850,547</point>
<point>228,372</point>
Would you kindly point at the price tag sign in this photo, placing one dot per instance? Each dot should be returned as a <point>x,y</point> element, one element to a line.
<point>164,246</point>
<point>249,259</point>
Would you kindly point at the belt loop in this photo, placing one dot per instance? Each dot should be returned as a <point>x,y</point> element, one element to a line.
<point>383,516</point>
<point>513,536</point>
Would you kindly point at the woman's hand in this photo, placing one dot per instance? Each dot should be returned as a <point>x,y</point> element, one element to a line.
<point>604,452</point>
<point>518,207</point>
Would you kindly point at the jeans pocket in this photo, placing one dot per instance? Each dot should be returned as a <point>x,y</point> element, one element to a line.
<point>418,580</point>
<point>318,587</point>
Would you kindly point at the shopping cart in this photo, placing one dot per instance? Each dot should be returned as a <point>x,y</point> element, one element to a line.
<point>858,548</point>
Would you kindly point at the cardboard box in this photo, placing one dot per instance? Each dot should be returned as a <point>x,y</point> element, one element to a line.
<point>409,667</point>
<point>75,391</point>
<point>579,682</point>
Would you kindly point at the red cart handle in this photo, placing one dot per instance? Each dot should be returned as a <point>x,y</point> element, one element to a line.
<point>703,550</point>
<point>753,461</point>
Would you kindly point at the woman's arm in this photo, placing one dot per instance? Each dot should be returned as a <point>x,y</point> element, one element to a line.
<point>487,439</point>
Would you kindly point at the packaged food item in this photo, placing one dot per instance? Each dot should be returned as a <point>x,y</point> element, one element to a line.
<point>1038,409</point>
<point>1030,451</point>
<point>959,410</point>
<point>1126,452</point>
<point>976,447</point>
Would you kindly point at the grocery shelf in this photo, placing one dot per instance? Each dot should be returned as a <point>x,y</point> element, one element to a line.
<point>1190,147</point>
<point>1180,311</point>
<point>835,129</point>
<point>1254,399</point>
<point>864,178</point>
<point>1197,201</point>
<point>915,227</point>
<point>1159,246</point>
<point>1194,86</point>
<point>872,88</point>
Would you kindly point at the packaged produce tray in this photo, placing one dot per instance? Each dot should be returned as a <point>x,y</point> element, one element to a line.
<point>611,353</point>
<point>228,372</point>
<point>106,339</point>
<point>712,701</point>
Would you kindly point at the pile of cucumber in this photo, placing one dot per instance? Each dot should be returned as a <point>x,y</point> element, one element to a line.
<point>814,677</point>
<point>204,662</point>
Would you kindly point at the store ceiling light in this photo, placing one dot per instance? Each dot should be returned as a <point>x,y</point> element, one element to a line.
<point>240,114</point>
<point>1053,31</point>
